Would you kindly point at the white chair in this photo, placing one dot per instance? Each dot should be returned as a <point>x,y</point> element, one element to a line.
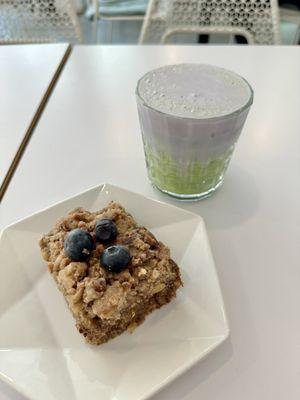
<point>115,10</point>
<point>38,21</point>
<point>256,20</point>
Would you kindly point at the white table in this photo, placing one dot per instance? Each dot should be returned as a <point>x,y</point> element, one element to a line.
<point>89,133</point>
<point>26,73</point>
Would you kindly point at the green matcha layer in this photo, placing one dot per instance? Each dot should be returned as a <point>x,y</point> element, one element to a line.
<point>195,178</point>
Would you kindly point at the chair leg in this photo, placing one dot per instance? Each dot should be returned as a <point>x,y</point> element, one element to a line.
<point>95,29</point>
<point>95,20</point>
<point>110,31</point>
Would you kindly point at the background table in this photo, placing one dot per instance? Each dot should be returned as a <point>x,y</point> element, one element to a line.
<point>26,72</point>
<point>89,133</point>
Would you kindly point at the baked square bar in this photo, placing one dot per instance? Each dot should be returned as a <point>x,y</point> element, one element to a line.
<point>104,303</point>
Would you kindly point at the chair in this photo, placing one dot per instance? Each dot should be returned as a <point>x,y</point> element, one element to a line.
<point>115,10</point>
<point>256,20</point>
<point>38,21</point>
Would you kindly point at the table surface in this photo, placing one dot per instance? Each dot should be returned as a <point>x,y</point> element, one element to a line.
<point>89,133</point>
<point>25,75</point>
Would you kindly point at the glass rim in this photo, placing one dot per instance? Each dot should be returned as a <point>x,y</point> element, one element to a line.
<point>215,118</point>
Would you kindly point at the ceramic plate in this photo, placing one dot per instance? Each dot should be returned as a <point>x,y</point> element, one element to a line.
<point>44,357</point>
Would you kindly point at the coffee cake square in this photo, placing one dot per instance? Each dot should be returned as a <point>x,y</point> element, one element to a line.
<point>106,294</point>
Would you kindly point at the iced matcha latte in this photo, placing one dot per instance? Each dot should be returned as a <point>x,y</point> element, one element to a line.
<point>191,116</point>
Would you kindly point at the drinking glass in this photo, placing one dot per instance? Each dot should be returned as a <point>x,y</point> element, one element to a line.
<point>187,156</point>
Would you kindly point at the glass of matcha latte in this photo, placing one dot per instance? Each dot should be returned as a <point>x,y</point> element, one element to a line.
<point>191,116</point>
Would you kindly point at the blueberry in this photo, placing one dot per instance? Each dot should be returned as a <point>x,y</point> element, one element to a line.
<point>78,245</point>
<point>106,231</point>
<point>115,258</point>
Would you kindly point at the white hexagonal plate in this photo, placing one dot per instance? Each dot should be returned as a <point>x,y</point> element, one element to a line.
<point>41,353</point>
